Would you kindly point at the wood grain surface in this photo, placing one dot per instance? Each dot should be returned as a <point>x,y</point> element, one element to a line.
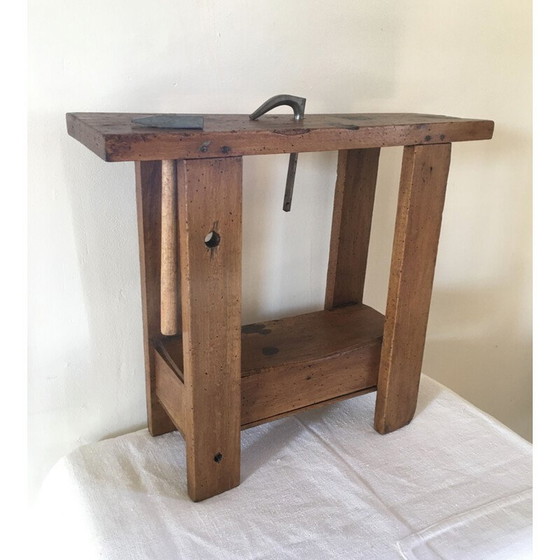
<point>309,359</point>
<point>210,260</point>
<point>300,362</point>
<point>148,200</point>
<point>170,313</point>
<point>351,226</point>
<point>113,136</point>
<point>419,213</point>
<point>170,388</point>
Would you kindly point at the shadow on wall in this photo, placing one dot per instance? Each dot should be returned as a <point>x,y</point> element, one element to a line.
<point>103,206</point>
<point>473,349</point>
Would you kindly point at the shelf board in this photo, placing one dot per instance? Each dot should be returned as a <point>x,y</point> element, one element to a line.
<point>300,362</point>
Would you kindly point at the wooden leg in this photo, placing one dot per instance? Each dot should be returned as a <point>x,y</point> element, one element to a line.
<point>418,223</point>
<point>148,200</point>
<point>352,213</point>
<point>210,275</point>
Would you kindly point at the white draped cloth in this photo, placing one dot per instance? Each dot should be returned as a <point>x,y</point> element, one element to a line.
<point>454,484</point>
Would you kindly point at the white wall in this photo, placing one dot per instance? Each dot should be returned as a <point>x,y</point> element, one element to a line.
<point>467,58</point>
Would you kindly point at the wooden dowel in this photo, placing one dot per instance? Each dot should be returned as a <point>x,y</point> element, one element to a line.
<point>169,288</point>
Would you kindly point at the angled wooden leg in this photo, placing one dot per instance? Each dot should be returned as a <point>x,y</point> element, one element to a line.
<point>148,200</point>
<point>418,223</point>
<point>352,213</point>
<point>210,269</point>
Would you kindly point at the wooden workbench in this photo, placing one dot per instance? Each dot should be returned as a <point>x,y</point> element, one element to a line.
<point>208,376</point>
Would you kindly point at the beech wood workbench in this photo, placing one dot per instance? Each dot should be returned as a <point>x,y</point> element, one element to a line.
<point>208,376</point>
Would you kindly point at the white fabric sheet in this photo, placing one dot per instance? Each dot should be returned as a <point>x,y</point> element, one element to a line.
<point>455,484</point>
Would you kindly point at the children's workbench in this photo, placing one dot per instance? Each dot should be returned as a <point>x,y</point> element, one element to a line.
<point>206,374</point>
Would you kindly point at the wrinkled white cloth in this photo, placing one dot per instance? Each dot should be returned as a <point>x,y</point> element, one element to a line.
<point>455,484</point>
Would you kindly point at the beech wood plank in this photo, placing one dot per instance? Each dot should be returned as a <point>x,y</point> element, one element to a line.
<point>299,362</point>
<point>169,389</point>
<point>297,340</point>
<point>294,363</point>
<point>277,391</point>
<point>148,200</point>
<point>419,213</point>
<point>114,137</point>
<point>351,226</point>
<point>319,404</point>
<point>210,260</point>
<point>170,315</point>
<point>174,398</point>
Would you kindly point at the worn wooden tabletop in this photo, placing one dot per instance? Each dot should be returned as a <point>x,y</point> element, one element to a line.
<point>114,137</point>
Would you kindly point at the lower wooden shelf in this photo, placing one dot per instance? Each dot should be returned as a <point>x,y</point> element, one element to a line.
<point>291,364</point>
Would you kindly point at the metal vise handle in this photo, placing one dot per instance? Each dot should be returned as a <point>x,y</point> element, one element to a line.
<point>298,105</point>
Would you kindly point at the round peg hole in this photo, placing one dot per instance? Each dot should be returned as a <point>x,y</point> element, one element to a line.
<point>212,239</point>
<point>218,457</point>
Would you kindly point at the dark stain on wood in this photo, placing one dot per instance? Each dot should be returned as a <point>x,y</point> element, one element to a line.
<point>293,131</point>
<point>255,328</point>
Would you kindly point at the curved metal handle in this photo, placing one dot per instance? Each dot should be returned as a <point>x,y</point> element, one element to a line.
<point>296,103</point>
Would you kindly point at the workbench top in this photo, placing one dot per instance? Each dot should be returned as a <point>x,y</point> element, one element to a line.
<point>114,137</point>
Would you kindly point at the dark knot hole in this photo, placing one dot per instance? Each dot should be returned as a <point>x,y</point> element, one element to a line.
<point>212,239</point>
